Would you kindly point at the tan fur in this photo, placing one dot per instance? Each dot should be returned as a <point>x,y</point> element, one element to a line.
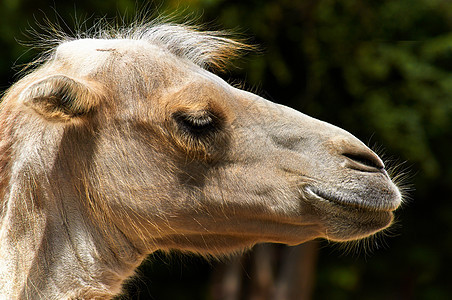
<point>120,145</point>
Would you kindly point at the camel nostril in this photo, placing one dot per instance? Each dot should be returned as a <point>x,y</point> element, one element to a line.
<point>365,161</point>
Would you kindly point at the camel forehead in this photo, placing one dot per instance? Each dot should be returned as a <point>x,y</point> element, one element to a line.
<point>85,56</point>
<point>88,46</point>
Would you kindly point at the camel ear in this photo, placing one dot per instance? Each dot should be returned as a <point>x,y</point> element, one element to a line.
<point>59,98</point>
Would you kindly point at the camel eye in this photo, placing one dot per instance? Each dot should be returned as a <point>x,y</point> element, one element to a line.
<point>197,123</point>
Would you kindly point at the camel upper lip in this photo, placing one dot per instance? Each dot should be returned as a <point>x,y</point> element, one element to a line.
<point>348,200</point>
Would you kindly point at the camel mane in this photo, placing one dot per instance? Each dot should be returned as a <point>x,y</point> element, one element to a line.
<point>211,50</point>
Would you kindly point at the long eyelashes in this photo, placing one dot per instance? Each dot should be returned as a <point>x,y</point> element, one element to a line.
<point>199,123</point>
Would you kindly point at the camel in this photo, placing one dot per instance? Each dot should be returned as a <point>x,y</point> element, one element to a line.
<point>126,142</point>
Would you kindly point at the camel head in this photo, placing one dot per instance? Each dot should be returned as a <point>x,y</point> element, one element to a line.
<point>132,144</point>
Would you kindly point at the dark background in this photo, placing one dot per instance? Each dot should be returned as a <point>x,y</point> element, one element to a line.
<point>380,69</point>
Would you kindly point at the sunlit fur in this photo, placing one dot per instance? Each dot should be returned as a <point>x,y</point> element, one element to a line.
<point>98,169</point>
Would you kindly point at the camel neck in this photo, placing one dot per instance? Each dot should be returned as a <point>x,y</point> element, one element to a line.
<point>44,257</point>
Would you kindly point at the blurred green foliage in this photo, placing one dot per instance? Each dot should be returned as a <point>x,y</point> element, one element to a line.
<point>380,69</point>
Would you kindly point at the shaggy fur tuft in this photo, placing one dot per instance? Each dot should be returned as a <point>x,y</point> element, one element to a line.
<point>211,50</point>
